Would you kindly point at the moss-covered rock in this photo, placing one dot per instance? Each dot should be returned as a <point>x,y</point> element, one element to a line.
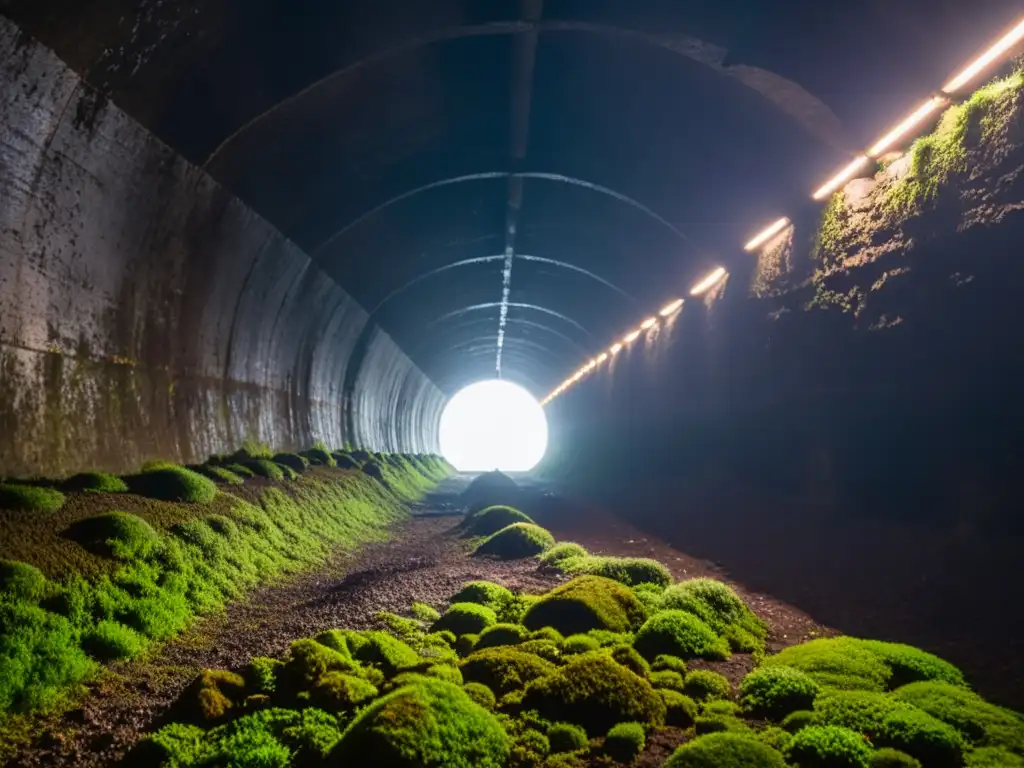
<point>595,692</point>
<point>504,669</point>
<point>625,741</point>
<point>993,757</point>
<point>630,571</point>
<point>431,724</point>
<point>116,534</point>
<point>340,692</point>
<point>893,758</point>
<point>516,541</point>
<point>666,661</point>
<point>837,662</point>
<point>679,633</point>
<point>30,498</point>
<point>481,694</point>
<point>705,685</point>
<point>99,482</point>
<point>240,470</point>
<point>308,661</point>
<point>828,746</point>
<point>23,581</point>
<point>501,634</point>
<point>680,710</point>
<point>173,484</point>
<point>293,461</point>
<point>566,737</point>
<point>586,603</point>
<point>562,551</point>
<point>794,721</point>
<point>668,679</point>
<point>345,461</point>
<point>774,692</point>
<point>213,696</point>
<point>982,724</point>
<point>716,604</point>
<point>725,750</point>
<point>908,664</point>
<point>579,644</point>
<point>631,660</point>
<point>465,619</point>
<point>917,733</point>
<point>219,474</point>
<point>319,457</point>
<point>494,596</point>
<point>264,468</point>
<point>490,520</point>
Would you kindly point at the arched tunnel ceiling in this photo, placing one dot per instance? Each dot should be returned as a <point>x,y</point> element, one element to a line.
<point>563,164</point>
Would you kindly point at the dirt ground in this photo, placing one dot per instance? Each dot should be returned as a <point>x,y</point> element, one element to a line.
<point>423,561</point>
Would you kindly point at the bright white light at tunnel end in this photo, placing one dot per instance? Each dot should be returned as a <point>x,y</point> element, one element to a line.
<point>491,425</point>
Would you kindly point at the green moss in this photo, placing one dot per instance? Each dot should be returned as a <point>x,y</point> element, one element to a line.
<point>630,571</point>
<point>716,604</point>
<point>668,679</point>
<point>993,757</point>
<point>240,470</point>
<point>501,634</point>
<point>794,721</point>
<point>220,475</point>
<point>425,613</point>
<point>490,520</point>
<point>679,633</point>
<point>596,693</point>
<point>387,653</point>
<point>830,237</point>
<point>116,534</point>
<point>345,461</point>
<point>893,758</point>
<point>173,484</point>
<point>828,746</point>
<point>110,640</point>
<point>721,707</point>
<point>465,619</point>
<point>428,725</point>
<point>504,669</point>
<point>566,737</point>
<point>341,692</point>
<point>863,711</point>
<point>839,662</point>
<point>579,644</point>
<point>774,692</point>
<point>22,581</point>
<point>99,482</point>
<point>487,593</point>
<point>908,664</point>
<point>725,750</point>
<point>562,551</point>
<point>516,541</point>
<point>715,723</point>
<point>543,648</point>
<point>465,644</point>
<point>628,657</point>
<point>666,661</point>
<point>983,724</point>
<point>261,674</point>
<point>586,603</point>
<point>481,694</point>
<point>625,741</point>
<point>703,685</point>
<point>293,461</point>
<point>30,498</point>
<point>919,734</point>
<point>775,737</point>
<point>680,710</point>
<point>264,468</point>
<point>319,457</point>
<point>213,696</point>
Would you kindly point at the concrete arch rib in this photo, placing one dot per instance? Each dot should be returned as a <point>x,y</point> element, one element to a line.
<point>516,305</point>
<point>516,322</point>
<point>789,97</point>
<point>496,258</point>
<point>489,175</point>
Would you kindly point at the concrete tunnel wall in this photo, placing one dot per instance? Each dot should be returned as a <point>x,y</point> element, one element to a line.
<point>145,312</point>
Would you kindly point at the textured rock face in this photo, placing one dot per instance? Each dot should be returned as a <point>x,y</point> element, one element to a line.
<point>145,312</point>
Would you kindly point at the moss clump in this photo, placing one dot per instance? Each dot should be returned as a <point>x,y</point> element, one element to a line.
<point>575,644</point>
<point>264,468</point>
<point>116,534</point>
<point>30,498</point>
<point>586,603</point>
<point>99,482</point>
<point>261,675</point>
<point>431,724</point>
<point>504,669</point>
<point>516,541</point>
<point>631,660</point>
<point>212,696</point>
<point>983,724</point>
<point>665,661</point>
<point>310,660</point>
<point>481,694</point>
<point>775,737</point>
<point>595,692</point>
<point>465,619</point>
<point>829,746</point>
<point>680,710</point>
<point>668,679</point>
<point>863,711</point>
<point>794,721</point>
<point>220,475</point>
<point>319,457</point>
<point>487,593</point>
<point>345,461</point>
<point>893,758</point>
<point>293,461</point>
<point>774,692</point>
<point>340,692</point>
<point>625,742</point>
<point>839,662</point>
<point>23,581</point>
<point>993,757</point>
<point>630,571</point>
<point>716,604</point>
<point>566,737</point>
<point>425,613</point>
<point>705,685</point>
<point>173,484</point>
<point>382,650</point>
<point>562,551</point>
<point>679,633</point>
<point>490,520</point>
<point>240,471</point>
<point>919,734</point>
<point>488,486</point>
<point>111,640</point>
<point>908,664</point>
<point>725,750</point>
<point>501,634</point>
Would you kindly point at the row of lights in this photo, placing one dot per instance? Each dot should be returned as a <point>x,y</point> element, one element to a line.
<point>970,73</point>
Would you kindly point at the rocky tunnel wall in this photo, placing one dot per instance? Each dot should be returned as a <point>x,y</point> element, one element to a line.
<point>147,313</point>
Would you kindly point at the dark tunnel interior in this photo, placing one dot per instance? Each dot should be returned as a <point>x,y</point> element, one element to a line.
<point>309,222</point>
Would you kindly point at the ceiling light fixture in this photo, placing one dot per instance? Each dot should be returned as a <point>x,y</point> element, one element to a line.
<point>841,178</point>
<point>629,338</point>
<point>671,309</point>
<point>975,68</point>
<point>907,125</point>
<point>649,323</point>
<point>767,234</point>
<point>708,282</point>
<point>615,348</point>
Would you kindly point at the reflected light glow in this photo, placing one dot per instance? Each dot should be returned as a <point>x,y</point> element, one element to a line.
<point>493,425</point>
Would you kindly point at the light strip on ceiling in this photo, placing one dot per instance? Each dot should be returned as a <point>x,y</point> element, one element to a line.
<point>767,234</point>
<point>671,309</point>
<point>708,282</point>
<point>909,124</point>
<point>976,67</point>
<point>841,178</point>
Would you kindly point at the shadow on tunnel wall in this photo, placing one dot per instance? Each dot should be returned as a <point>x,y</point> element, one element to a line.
<point>145,312</point>
<point>868,473</point>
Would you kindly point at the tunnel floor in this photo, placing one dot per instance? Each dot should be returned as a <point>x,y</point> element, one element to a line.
<point>426,561</point>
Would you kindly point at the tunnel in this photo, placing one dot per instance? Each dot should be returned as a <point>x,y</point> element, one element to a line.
<point>750,270</point>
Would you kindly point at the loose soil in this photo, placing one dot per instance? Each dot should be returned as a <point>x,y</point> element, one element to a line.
<point>425,560</point>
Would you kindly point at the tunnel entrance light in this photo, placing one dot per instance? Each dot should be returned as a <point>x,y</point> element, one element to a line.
<point>975,68</point>
<point>493,425</point>
<point>767,234</point>
<point>708,282</point>
<point>671,309</point>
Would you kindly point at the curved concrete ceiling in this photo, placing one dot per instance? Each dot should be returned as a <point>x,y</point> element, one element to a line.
<point>632,144</point>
